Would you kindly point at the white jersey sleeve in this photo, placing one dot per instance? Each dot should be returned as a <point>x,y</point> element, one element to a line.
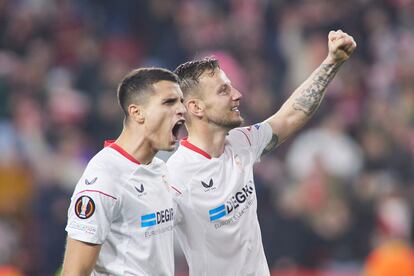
<point>255,138</point>
<point>94,205</point>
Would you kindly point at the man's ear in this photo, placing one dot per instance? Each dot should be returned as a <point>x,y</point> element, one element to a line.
<point>195,107</point>
<point>136,113</point>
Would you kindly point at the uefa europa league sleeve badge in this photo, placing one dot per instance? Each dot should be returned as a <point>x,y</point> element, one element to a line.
<point>84,207</point>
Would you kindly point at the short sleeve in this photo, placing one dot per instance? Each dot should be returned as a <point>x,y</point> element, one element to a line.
<point>255,137</point>
<point>93,207</point>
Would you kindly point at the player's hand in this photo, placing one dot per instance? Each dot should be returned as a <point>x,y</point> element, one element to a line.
<point>341,45</point>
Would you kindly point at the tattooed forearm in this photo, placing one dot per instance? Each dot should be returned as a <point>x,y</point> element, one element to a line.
<point>272,144</point>
<point>310,98</point>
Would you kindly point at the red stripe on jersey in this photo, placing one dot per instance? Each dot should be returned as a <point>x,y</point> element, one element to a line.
<point>192,147</point>
<point>247,137</point>
<point>107,143</point>
<point>176,190</point>
<point>96,191</point>
<point>124,153</point>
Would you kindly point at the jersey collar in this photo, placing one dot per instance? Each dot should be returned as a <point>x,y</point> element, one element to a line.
<point>185,143</point>
<point>111,144</point>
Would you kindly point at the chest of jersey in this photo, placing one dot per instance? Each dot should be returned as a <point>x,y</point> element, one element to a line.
<point>223,190</point>
<point>146,202</point>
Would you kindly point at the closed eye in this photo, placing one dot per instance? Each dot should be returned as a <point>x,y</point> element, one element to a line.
<point>170,101</point>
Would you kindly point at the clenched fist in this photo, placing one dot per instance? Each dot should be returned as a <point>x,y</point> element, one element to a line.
<point>341,45</point>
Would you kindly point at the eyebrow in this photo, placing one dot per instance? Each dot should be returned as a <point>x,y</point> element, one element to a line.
<point>172,99</point>
<point>169,99</point>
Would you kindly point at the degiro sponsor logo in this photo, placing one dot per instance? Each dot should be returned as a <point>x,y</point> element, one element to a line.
<point>231,204</point>
<point>157,217</point>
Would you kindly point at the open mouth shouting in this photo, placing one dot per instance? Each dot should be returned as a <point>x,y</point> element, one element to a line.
<point>176,128</point>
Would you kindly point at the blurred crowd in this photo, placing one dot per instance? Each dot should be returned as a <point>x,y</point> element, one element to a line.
<point>340,188</point>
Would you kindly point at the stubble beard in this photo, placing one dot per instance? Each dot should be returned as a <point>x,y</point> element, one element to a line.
<point>225,122</point>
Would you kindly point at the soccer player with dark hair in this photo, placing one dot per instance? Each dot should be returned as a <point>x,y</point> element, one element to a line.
<point>212,170</point>
<point>121,215</point>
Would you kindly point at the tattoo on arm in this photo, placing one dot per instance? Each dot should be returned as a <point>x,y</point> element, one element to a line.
<point>310,98</point>
<point>272,144</point>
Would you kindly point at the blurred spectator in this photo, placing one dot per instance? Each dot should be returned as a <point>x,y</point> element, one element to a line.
<point>327,146</point>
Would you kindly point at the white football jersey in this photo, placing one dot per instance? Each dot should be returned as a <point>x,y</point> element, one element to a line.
<point>216,220</point>
<point>127,208</point>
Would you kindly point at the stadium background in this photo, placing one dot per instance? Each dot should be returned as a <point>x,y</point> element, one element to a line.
<point>339,189</point>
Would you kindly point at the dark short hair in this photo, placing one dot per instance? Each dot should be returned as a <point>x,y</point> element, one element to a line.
<point>138,82</point>
<point>190,72</point>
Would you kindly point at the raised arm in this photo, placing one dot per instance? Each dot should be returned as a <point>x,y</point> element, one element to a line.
<point>301,105</point>
<point>80,258</point>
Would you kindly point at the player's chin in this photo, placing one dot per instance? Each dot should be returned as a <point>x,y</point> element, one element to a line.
<point>170,146</point>
<point>168,143</point>
<point>234,124</point>
<point>237,122</point>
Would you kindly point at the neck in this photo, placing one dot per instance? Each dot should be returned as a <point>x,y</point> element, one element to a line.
<point>209,138</point>
<point>136,145</point>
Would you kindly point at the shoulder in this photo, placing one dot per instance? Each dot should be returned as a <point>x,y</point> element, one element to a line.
<point>185,161</point>
<point>249,136</point>
<point>176,158</point>
<point>240,135</point>
<point>159,163</point>
<point>182,165</point>
<point>102,174</point>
